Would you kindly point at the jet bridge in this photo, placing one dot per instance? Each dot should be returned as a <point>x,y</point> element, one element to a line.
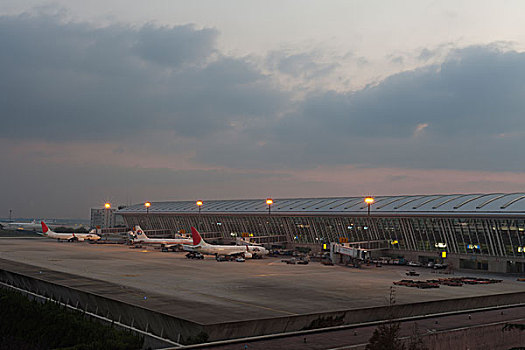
<point>354,252</point>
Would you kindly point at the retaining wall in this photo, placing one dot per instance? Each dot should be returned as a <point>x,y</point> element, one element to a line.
<point>157,323</point>
<point>355,316</point>
<point>105,303</point>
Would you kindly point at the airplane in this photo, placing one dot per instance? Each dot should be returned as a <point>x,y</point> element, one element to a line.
<point>70,237</point>
<point>32,226</point>
<point>139,237</point>
<point>247,251</point>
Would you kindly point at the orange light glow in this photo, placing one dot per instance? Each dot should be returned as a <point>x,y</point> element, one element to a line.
<point>199,203</point>
<point>107,205</point>
<point>369,200</point>
<point>269,201</point>
<point>147,204</point>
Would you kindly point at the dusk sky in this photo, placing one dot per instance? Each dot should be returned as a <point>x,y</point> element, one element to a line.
<point>128,101</point>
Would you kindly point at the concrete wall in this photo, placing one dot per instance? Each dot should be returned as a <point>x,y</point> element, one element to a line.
<point>170,326</point>
<point>498,265</point>
<point>485,337</point>
<point>327,319</point>
<point>147,320</point>
<point>490,337</point>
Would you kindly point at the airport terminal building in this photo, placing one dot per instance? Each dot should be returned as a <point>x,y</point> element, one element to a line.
<point>476,231</point>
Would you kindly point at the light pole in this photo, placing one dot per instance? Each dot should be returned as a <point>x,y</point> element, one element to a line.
<point>369,200</point>
<point>269,201</point>
<point>199,205</point>
<point>107,206</point>
<point>147,205</point>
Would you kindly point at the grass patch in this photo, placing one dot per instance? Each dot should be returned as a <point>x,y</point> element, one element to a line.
<point>26,324</point>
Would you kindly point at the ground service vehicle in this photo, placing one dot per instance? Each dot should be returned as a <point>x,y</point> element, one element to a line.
<point>193,255</point>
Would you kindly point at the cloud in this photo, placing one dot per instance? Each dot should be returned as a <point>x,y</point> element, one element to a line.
<point>427,54</point>
<point>470,99</point>
<point>72,80</point>
<point>307,65</point>
<point>174,46</point>
<point>397,60</point>
<point>154,106</point>
<point>420,128</point>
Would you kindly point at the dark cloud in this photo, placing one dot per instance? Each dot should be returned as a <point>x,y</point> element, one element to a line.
<point>168,90</point>
<point>72,80</point>
<point>465,113</point>
<point>427,54</point>
<point>305,65</point>
<point>397,60</point>
<point>173,46</point>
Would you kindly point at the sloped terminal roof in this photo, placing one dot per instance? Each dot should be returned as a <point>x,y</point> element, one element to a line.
<point>439,204</point>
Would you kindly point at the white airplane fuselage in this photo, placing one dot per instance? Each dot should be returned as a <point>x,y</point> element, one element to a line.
<point>32,226</point>
<point>248,251</point>
<point>73,236</point>
<point>142,238</point>
<point>68,236</point>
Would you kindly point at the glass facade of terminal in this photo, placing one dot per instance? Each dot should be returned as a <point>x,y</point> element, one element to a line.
<point>498,237</point>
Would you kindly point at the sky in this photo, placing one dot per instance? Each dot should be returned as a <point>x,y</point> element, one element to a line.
<point>134,101</point>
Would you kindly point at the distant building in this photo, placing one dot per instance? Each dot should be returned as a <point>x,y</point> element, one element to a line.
<point>104,218</point>
<point>466,231</point>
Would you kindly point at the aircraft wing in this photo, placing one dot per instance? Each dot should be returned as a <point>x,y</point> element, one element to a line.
<point>171,245</point>
<point>66,237</point>
<point>188,248</point>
